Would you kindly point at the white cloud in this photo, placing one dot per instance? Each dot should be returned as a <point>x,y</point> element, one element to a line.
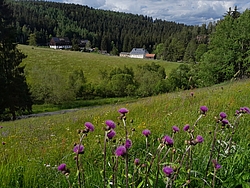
<point>191,12</point>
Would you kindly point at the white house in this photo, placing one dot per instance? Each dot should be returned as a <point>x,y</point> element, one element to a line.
<point>60,43</point>
<point>124,54</point>
<point>138,53</point>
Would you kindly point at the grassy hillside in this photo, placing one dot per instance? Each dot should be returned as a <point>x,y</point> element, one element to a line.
<point>31,148</point>
<point>65,62</point>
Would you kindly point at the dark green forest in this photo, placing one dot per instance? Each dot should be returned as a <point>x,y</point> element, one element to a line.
<point>108,30</point>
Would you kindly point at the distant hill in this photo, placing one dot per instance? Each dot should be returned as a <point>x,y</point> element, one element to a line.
<point>100,26</point>
<point>107,30</point>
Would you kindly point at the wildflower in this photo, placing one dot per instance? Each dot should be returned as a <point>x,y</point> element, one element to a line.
<point>225,122</point>
<point>246,110</point>
<point>111,134</point>
<point>3,143</point>
<point>110,124</point>
<point>168,170</point>
<point>237,112</point>
<point>191,94</point>
<point>216,164</point>
<point>186,127</point>
<point>89,126</point>
<point>223,115</point>
<point>123,111</point>
<point>136,161</point>
<point>203,109</point>
<point>128,144</point>
<point>1,127</point>
<point>168,140</point>
<point>62,167</point>
<point>79,149</point>
<point>146,132</point>
<point>120,151</point>
<point>199,139</point>
<point>175,129</point>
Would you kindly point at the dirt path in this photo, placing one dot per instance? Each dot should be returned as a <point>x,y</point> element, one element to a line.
<point>49,113</point>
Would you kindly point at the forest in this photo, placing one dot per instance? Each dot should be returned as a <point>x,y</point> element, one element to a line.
<point>108,30</point>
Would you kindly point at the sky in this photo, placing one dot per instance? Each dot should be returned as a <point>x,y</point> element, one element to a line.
<point>189,12</point>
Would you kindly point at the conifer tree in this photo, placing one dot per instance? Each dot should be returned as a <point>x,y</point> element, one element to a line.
<point>14,93</point>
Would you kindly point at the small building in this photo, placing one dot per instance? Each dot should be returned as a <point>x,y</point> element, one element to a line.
<point>150,56</point>
<point>138,53</point>
<point>82,43</point>
<point>60,43</point>
<point>124,54</point>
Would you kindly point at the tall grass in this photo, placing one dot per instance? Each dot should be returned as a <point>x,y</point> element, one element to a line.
<point>32,148</point>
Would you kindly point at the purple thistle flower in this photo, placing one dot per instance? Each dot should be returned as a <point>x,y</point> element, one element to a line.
<point>216,164</point>
<point>146,132</point>
<point>110,124</point>
<point>199,139</point>
<point>168,140</point>
<point>191,94</point>
<point>237,112</point>
<point>137,161</point>
<point>167,170</point>
<point>128,144</point>
<point>224,121</point>
<point>123,110</point>
<point>120,151</point>
<point>175,129</point>
<point>62,167</point>
<point>223,115</point>
<point>111,134</point>
<point>246,109</point>
<point>89,126</point>
<point>186,127</point>
<point>79,149</point>
<point>1,127</point>
<point>203,109</point>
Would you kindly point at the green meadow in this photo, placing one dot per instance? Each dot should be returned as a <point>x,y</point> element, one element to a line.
<point>65,62</point>
<point>32,148</point>
<point>48,71</point>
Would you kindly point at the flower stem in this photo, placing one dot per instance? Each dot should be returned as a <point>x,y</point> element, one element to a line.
<point>182,159</point>
<point>78,170</point>
<point>126,157</point>
<point>158,165</point>
<point>235,125</point>
<point>214,177</point>
<point>212,150</point>
<point>104,159</point>
<point>115,172</point>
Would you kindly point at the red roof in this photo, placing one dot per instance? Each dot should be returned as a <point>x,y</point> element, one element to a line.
<point>150,55</point>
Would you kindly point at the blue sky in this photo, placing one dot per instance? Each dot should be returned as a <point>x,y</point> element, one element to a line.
<point>190,12</point>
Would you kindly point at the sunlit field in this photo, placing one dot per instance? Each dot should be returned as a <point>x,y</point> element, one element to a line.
<point>64,62</point>
<point>31,149</point>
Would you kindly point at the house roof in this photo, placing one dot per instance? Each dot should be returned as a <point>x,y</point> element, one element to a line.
<point>124,53</point>
<point>150,55</point>
<point>82,41</point>
<point>60,40</point>
<point>138,51</point>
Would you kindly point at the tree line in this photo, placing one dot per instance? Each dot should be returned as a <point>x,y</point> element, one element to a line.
<point>108,30</point>
<point>15,97</point>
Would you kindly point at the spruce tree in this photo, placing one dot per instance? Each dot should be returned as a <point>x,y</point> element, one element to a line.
<point>15,98</point>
